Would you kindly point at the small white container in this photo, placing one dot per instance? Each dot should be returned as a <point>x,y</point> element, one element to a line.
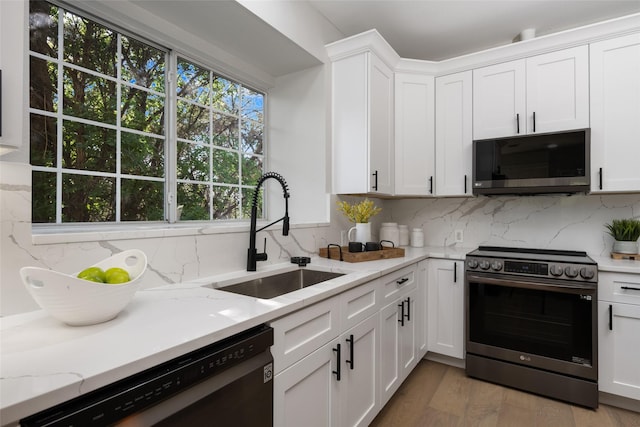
<point>404,235</point>
<point>389,231</point>
<point>417,238</point>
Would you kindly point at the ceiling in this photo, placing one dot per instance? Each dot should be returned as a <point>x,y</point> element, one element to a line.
<point>441,29</point>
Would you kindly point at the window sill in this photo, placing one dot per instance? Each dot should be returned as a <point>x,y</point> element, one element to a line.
<point>73,234</point>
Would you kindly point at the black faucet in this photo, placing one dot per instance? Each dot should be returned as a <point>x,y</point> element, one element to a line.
<point>252,254</point>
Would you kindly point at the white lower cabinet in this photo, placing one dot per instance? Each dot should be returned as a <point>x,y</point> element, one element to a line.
<point>446,307</point>
<point>618,334</point>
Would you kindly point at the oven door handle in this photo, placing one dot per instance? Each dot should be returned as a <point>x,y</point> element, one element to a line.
<point>514,283</point>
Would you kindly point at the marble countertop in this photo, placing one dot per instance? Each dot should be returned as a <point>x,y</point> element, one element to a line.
<point>45,362</point>
<point>606,263</point>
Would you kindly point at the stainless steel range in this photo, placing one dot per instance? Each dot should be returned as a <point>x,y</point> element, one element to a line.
<point>531,321</point>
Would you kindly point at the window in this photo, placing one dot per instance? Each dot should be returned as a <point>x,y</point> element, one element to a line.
<point>102,144</point>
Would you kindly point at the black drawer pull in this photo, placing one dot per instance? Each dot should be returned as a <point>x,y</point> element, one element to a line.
<point>350,361</point>
<point>517,123</point>
<point>600,173</point>
<point>534,121</point>
<point>455,272</point>
<point>375,185</point>
<point>431,185</point>
<point>408,309</point>
<point>610,317</point>
<point>402,281</point>
<point>630,288</point>
<point>401,319</point>
<point>337,371</point>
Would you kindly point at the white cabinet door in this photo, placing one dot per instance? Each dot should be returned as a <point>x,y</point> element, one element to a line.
<point>446,307</point>
<point>619,349</point>
<point>414,134</point>
<point>454,140</point>
<point>558,91</point>
<point>359,386</point>
<point>306,394</point>
<point>615,113</point>
<point>499,100</point>
<point>362,125</point>
<point>421,308</point>
<point>553,87</point>
<point>408,348</point>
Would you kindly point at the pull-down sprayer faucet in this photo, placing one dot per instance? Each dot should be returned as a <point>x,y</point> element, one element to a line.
<point>252,254</point>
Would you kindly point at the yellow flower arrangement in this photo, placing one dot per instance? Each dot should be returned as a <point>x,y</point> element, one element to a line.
<point>359,212</point>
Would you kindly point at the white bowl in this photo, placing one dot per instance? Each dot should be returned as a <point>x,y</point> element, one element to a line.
<point>79,302</point>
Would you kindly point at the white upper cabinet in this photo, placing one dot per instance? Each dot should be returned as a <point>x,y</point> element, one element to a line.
<point>615,114</point>
<point>414,134</point>
<point>543,93</point>
<point>454,142</point>
<point>362,113</point>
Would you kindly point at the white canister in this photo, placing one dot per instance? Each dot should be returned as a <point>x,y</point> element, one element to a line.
<point>417,238</point>
<point>404,235</point>
<point>389,231</point>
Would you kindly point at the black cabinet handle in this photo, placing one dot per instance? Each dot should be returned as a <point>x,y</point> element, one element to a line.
<point>337,371</point>
<point>465,184</point>
<point>610,317</point>
<point>517,123</point>
<point>431,185</point>
<point>375,181</point>
<point>455,272</point>
<point>350,361</point>
<point>630,288</point>
<point>402,281</point>
<point>401,320</point>
<point>600,173</point>
<point>534,121</point>
<point>408,309</point>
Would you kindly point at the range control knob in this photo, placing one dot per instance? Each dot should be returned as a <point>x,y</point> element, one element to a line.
<point>484,264</point>
<point>556,270</point>
<point>587,273</point>
<point>571,271</point>
<point>496,265</point>
<point>472,263</point>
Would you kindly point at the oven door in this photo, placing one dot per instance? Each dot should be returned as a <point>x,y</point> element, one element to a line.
<point>541,324</point>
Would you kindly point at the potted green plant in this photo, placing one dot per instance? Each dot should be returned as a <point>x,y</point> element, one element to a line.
<point>626,233</point>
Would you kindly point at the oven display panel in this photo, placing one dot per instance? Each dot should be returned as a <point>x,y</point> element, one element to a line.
<point>540,269</point>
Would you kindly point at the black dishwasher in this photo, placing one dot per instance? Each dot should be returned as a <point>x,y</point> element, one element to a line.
<point>229,382</point>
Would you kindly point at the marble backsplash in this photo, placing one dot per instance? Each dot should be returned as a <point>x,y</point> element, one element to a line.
<point>558,222</point>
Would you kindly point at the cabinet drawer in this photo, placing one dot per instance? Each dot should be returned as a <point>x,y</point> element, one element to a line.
<point>619,287</point>
<point>398,283</point>
<point>304,331</point>
<point>359,303</point>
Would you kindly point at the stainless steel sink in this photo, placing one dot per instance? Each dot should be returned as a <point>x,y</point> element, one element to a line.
<point>280,284</point>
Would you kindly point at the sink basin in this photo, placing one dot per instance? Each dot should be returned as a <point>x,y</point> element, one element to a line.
<point>280,284</point>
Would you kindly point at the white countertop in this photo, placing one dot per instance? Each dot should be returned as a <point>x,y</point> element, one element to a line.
<point>45,362</point>
<point>617,265</point>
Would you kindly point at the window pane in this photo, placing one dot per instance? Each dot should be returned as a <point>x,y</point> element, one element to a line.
<point>141,200</point>
<point>89,45</point>
<point>88,198</point>
<point>247,199</point>
<point>251,169</point>
<point>142,65</point>
<point>252,105</point>
<point>193,122</point>
<point>87,147</point>
<point>225,95</point>
<point>193,162</point>
<point>142,155</point>
<point>225,203</point>
<point>43,28</point>
<point>194,199</point>
<point>225,131</point>
<point>43,207</point>
<point>226,167</point>
<point>43,84</point>
<point>44,146</point>
<point>252,141</point>
<point>89,97</point>
<point>142,110</point>
<point>193,82</point>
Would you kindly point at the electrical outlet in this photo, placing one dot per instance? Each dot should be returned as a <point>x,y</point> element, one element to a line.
<point>459,236</point>
<point>343,237</point>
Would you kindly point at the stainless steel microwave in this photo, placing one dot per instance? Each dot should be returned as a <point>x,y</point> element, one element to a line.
<point>533,164</point>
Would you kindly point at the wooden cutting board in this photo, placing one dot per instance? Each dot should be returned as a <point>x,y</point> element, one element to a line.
<point>385,253</point>
<point>616,255</point>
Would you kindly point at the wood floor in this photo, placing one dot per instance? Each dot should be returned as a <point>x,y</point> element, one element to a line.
<point>440,395</point>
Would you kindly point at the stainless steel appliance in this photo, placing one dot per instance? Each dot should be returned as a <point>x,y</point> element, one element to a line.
<point>538,163</point>
<point>531,321</point>
<point>228,383</point>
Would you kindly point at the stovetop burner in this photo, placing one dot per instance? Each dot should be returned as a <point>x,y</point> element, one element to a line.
<point>542,263</point>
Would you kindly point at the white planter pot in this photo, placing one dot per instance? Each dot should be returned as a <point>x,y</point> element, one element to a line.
<point>625,247</point>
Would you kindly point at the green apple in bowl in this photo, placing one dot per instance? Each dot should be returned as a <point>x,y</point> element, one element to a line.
<point>93,274</point>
